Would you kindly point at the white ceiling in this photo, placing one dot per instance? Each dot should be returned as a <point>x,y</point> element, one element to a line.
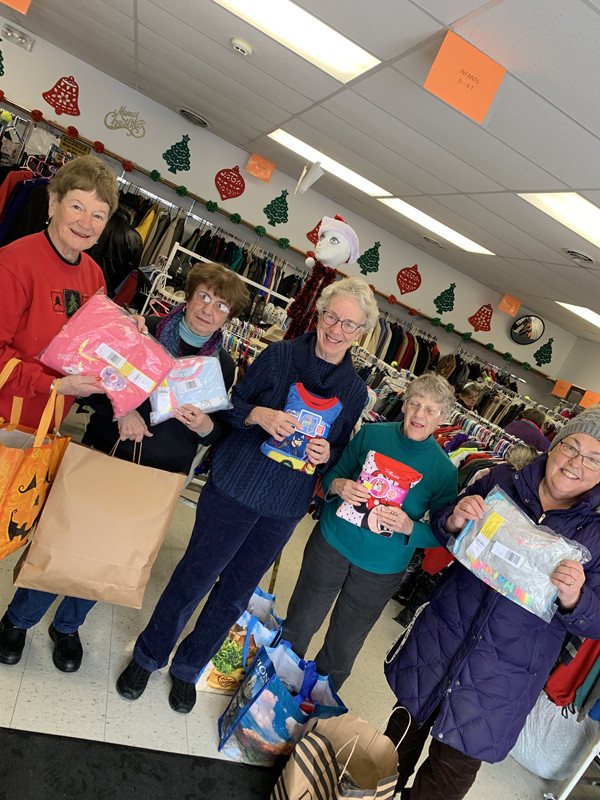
<point>542,132</point>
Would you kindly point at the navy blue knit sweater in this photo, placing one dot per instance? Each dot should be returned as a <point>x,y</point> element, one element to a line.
<point>240,471</point>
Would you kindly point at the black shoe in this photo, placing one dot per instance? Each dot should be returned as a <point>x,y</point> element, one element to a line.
<point>12,641</point>
<point>132,681</point>
<point>182,697</point>
<point>405,616</point>
<point>68,651</point>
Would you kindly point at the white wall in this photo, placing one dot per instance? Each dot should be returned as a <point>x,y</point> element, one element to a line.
<point>27,75</point>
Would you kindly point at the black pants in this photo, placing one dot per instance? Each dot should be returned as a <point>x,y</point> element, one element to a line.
<point>446,773</point>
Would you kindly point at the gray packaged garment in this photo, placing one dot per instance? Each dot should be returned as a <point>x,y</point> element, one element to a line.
<point>515,556</point>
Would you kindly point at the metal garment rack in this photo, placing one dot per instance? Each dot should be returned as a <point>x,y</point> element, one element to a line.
<point>591,756</point>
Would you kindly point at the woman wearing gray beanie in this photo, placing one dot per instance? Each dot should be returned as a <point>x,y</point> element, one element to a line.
<point>474,663</point>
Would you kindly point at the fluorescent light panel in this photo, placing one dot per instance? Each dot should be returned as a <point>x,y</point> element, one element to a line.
<point>571,210</point>
<point>328,164</point>
<point>305,35</point>
<point>582,311</point>
<point>433,225</point>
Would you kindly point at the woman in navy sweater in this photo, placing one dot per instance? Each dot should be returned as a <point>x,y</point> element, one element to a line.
<point>251,503</point>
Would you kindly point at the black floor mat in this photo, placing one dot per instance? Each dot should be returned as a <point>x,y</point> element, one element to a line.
<point>39,766</point>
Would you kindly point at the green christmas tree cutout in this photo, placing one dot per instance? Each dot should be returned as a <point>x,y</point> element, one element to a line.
<point>445,300</point>
<point>369,261</point>
<point>544,354</point>
<point>277,210</point>
<point>178,155</point>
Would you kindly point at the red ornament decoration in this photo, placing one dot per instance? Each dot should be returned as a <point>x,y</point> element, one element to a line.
<point>72,132</point>
<point>36,115</point>
<point>63,96</point>
<point>98,147</point>
<point>481,319</point>
<point>408,279</point>
<point>229,183</point>
<point>392,300</point>
<point>313,236</point>
<point>412,312</point>
<point>1,95</point>
<point>127,165</point>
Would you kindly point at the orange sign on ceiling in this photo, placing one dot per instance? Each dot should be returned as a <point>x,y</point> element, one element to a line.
<point>464,77</point>
<point>510,305</point>
<point>260,167</point>
<point>18,5</point>
<point>561,389</point>
<point>589,399</point>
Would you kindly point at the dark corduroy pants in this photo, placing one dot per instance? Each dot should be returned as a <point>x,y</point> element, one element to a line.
<point>446,773</point>
<point>230,543</point>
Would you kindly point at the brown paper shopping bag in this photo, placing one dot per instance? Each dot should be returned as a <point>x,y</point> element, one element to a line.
<point>101,528</point>
<point>341,757</point>
<point>29,460</point>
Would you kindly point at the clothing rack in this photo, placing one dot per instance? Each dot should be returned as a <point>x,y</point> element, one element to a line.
<point>493,434</point>
<point>367,358</point>
<point>471,357</point>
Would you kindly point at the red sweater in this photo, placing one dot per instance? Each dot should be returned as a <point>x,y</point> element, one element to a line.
<point>40,291</point>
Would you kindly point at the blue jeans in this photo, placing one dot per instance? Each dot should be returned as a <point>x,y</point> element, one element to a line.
<point>228,542</point>
<point>28,606</point>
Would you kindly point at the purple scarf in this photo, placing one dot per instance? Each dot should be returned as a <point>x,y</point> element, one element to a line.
<point>167,333</point>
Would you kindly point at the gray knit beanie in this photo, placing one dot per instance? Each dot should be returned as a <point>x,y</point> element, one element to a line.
<point>586,422</point>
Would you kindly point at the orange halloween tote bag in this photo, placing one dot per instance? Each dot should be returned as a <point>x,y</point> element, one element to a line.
<point>29,460</point>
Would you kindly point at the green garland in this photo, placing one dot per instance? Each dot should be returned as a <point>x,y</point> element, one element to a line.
<point>526,365</point>
<point>182,191</point>
<point>489,346</point>
<point>466,336</point>
<point>236,219</point>
<point>211,206</point>
<point>450,327</point>
<point>507,357</point>
<point>155,175</point>
<point>436,322</point>
<point>260,230</point>
<point>284,243</point>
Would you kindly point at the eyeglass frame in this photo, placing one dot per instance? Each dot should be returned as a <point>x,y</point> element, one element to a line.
<point>576,453</point>
<point>414,405</point>
<point>201,295</point>
<point>354,325</point>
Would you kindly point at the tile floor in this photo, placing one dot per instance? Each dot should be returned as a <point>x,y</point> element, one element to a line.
<point>35,696</point>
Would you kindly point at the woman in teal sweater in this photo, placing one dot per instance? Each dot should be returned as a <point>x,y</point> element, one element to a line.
<point>360,562</point>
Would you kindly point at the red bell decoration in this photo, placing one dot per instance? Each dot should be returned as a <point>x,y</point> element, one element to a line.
<point>313,236</point>
<point>229,183</point>
<point>63,96</point>
<point>482,318</point>
<point>408,279</point>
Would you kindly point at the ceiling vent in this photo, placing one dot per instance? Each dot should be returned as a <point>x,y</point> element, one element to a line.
<point>578,257</point>
<point>193,118</point>
<point>431,240</point>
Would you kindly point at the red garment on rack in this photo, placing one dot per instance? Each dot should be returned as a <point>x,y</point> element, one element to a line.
<point>9,183</point>
<point>563,683</point>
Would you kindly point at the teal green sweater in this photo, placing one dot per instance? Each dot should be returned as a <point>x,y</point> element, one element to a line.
<point>369,550</point>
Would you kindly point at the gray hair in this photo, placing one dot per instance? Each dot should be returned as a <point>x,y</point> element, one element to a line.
<point>434,385</point>
<point>360,291</point>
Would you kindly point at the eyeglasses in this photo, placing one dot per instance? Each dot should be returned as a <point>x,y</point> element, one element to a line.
<point>429,411</point>
<point>221,307</point>
<point>329,318</point>
<point>572,452</point>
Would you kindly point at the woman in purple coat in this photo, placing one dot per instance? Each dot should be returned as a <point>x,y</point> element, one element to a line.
<point>473,665</point>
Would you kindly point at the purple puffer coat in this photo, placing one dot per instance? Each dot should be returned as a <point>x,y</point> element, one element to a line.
<point>480,657</point>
